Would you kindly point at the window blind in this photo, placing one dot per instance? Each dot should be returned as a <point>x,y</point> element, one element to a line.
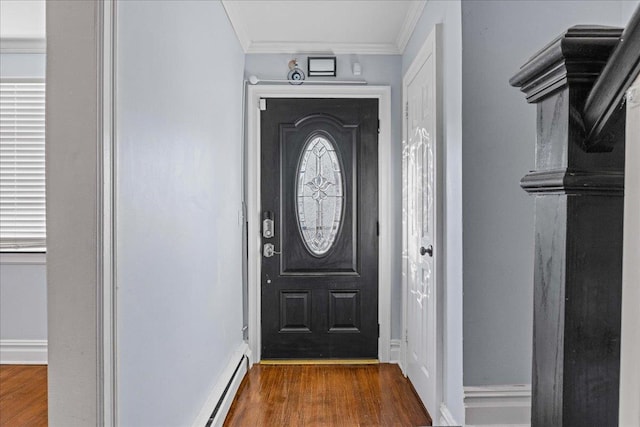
<point>22,165</point>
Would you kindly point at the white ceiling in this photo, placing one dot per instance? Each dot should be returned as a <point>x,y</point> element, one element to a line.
<point>324,26</point>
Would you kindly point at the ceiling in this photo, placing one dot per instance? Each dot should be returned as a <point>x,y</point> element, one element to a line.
<point>324,26</point>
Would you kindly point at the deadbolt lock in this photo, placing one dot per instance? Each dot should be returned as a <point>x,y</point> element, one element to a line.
<point>267,224</point>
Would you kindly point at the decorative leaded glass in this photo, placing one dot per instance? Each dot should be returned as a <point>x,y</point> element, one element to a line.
<point>319,195</point>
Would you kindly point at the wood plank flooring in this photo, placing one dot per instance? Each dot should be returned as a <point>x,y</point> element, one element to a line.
<point>23,395</point>
<point>289,395</point>
<point>326,395</point>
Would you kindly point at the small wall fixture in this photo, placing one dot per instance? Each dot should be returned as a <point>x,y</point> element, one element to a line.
<point>357,69</point>
<point>321,66</point>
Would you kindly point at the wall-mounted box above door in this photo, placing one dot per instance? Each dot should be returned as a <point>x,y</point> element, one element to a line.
<point>321,66</point>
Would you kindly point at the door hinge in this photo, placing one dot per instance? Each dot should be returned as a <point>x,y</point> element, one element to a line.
<point>378,126</point>
<point>406,110</point>
<point>378,330</point>
<point>263,104</point>
<point>406,336</point>
<point>378,228</point>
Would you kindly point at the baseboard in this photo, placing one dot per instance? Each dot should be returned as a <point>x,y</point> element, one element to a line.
<point>23,352</point>
<point>446,419</point>
<point>500,405</point>
<point>224,391</point>
<point>395,351</point>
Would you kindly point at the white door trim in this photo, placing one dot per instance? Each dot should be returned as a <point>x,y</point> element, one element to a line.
<point>107,315</point>
<point>385,211</point>
<point>431,45</point>
<point>630,335</point>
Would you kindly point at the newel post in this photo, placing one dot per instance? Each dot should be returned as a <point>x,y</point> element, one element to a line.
<point>578,236</point>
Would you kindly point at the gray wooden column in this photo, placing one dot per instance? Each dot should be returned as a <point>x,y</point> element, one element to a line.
<point>578,236</point>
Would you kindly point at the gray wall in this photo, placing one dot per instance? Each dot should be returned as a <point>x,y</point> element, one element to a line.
<point>22,64</point>
<point>23,302</point>
<point>179,92</point>
<point>498,149</point>
<point>376,70</point>
<point>23,287</point>
<point>627,7</point>
<point>447,13</point>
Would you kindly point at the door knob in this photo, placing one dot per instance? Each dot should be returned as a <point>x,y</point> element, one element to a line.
<point>269,250</point>
<point>428,250</point>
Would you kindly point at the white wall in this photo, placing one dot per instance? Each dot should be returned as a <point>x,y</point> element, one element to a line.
<point>498,149</point>
<point>179,87</point>
<point>23,285</point>
<point>376,70</point>
<point>22,19</point>
<point>448,14</point>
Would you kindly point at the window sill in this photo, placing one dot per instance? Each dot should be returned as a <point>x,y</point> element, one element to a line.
<point>34,258</point>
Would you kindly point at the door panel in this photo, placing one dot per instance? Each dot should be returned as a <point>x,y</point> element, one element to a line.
<point>319,184</point>
<point>420,248</point>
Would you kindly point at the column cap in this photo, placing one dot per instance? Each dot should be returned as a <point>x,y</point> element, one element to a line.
<point>576,56</point>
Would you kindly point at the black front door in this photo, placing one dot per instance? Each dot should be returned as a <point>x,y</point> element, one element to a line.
<point>319,171</point>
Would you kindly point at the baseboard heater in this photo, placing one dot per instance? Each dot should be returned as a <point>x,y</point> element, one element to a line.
<point>212,418</point>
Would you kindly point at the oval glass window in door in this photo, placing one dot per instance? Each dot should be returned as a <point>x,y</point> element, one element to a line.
<point>319,195</point>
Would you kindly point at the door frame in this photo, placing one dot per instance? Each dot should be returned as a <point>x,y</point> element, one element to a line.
<point>431,46</point>
<point>385,210</point>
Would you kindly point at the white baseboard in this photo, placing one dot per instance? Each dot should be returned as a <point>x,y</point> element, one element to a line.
<point>395,351</point>
<point>23,352</point>
<point>231,376</point>
<point>446,419</point>
<point>499,405</point>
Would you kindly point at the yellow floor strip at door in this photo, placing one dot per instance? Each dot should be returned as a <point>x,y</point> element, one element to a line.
<point>320,362</point>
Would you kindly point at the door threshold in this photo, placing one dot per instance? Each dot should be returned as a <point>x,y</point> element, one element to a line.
<point>319,362</point>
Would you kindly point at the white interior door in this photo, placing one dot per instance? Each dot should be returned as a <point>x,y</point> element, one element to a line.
<point>421,251</point>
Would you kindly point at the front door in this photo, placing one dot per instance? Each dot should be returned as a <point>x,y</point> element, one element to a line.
<point>319,193</point>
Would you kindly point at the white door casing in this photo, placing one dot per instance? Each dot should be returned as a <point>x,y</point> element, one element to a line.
<point>422,247</point>
<point>385,211</point>
<point>630,339</point>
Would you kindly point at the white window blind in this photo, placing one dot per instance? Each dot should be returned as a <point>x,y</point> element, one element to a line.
<point>22,179</point>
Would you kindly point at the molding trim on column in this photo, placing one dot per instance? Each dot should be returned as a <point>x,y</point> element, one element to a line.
<point>566,181</point>
<point>577,56</point>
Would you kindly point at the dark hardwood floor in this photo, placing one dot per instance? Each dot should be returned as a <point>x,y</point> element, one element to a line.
<point>280,395</point>
<point>326,395</point>
<point>23,395</point>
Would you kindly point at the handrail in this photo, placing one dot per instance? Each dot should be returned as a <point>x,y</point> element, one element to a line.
<point>607,95</point>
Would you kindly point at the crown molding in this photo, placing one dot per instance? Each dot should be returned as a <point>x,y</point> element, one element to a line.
<point>410,21</point>
<point>324,47</point>
<point>233,14</point>
<point>23,45</point>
